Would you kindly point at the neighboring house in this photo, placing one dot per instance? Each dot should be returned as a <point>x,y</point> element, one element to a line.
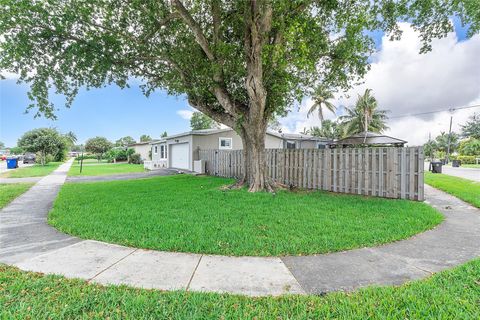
<point>368,138</point>
<point>142,148</point>
<point>180,150</point>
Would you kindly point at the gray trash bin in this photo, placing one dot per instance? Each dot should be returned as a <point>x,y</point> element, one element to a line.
<point>436,167</point>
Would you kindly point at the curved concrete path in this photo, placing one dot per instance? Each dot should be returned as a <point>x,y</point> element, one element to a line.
<point>29,243</point>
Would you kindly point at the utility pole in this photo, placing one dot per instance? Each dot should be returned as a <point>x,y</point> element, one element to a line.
<point>449,139</point>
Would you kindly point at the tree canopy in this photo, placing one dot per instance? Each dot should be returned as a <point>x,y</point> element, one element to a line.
<point>98,146</point>
<point>45,141</point>
<point>321,97</point>
<point>145,138</point>
<point>125,141</point>
<point>242,63</point>
<point>199,121</point>
<point>472,127</point>
<point>364,116</point>
<point>469,147</point>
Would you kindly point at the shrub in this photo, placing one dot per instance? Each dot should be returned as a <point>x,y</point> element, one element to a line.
<point>119,154</point>
<point>135,158</point>
<point>467,159</point>
<point>470,147</point>
<point>46,159</point>
<point>61,156</point>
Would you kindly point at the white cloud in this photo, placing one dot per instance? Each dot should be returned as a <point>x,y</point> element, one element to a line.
<point>406,82</point>
<point>9,75</point>
<point>185,114</point>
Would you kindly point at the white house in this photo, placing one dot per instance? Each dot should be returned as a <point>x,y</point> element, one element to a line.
<point>142,148</point>
<point>181,150</point>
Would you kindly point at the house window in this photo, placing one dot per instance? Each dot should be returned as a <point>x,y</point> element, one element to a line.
<point>291,145</point>
<point>225,143</point>
<point>163,151</point>
<point>320,146</point>
<point>155,149</point>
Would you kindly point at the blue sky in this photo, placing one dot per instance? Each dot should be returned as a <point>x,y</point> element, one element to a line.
<point>109,112</point>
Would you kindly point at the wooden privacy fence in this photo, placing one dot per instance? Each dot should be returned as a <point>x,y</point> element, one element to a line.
<point>381,172</point>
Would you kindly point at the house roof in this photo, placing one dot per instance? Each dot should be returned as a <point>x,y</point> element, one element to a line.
<point>297,136</point>
<point>371,138</point>
<point>155,141</point>
<point>287,136</point>
<point>140,143</point>
<point>203,132</point>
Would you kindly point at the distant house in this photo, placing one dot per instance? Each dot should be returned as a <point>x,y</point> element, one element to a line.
<point>180,150</point>
<point>371,139</point>
<point>142,148</point>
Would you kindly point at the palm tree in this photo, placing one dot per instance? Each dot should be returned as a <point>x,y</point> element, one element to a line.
<point>329,129</point>
<point>364,116</point>
<point>71,138</point>
<point>320,97</point>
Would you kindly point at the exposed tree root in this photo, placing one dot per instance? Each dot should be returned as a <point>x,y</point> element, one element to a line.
<point>237,185</point>
<point>269,186</point>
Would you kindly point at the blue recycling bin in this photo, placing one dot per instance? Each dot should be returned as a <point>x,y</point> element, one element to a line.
<point>12,163</point>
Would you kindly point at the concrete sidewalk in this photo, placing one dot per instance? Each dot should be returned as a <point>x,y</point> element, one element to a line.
<point>24,232</point>
<point>453,242</point>
<point>20,180</point>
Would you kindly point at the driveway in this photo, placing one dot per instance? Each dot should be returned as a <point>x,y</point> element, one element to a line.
<point>3,166</point>
<point>461,172</point>
<point>466,173</point>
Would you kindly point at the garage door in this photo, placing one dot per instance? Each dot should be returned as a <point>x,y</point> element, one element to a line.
<point>179,155</point>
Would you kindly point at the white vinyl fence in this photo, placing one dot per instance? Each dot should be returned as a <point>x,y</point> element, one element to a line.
<point>381,172</point>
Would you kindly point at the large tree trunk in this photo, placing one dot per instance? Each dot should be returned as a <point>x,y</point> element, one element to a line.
<point>254,165</point>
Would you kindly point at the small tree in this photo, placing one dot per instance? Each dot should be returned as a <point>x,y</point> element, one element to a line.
<point>472,127</point>
<point>430,148</point>
<point>164,134</point>
<point>124,142</point>
<point>200,121</point>
<point>16,150</point>
<point>364,116</point>
<point>145,138</point>
<point>2,145</point>
<point>45,141</point>
<point>321,97</point>
<point>469,147</point>
<point>442,141</point>
<point>98,146</point>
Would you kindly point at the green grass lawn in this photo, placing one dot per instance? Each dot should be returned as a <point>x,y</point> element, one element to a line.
<point>467,190</point>
<point>451,294</point>
<point>475,166</point>
<point>99,169</point>
<point>37,170</point>
<point>192,214</point>
<point>10,191</point>
<point>91,161</point>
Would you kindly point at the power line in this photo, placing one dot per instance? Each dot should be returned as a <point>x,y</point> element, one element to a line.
<point>436,111</point>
